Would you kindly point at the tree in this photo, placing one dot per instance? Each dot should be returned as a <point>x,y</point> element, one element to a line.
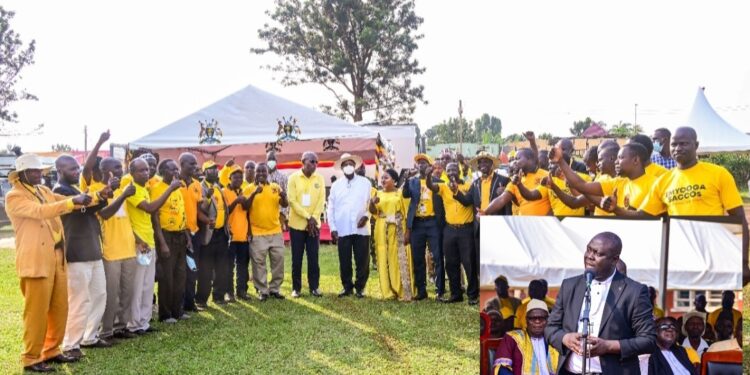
<point>360,51</point>
<point>580,126</point>
<point>514,138</point>
<point>625,130</point>
<point>488,129</point>
<point>447,132</point>
<point>14,56</point>
<point>60,147</point>
<point>545,136</point>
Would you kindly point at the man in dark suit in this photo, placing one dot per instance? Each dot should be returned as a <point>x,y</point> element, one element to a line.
<point>424,223</point>
<point>621,320</point>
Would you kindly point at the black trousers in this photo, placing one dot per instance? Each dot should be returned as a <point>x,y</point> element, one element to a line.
<point>301,242</point>
<point>458,248</point>
<point>241,252</point>
<point>423,232</point>
<point>170,273</point>
<point>192,276</point>
<point>213,268</point>
<point>358,245</point>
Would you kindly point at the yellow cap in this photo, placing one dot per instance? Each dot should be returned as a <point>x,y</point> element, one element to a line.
<point>208,164</point>
<point>424,157</point>
<point>234,168</point>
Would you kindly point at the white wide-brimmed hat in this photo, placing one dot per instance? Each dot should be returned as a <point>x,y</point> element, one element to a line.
<point>536,304</point>
<point>346,157</point>
<point>28,161</point>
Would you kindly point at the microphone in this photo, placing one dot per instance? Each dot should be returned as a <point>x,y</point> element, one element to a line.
<point>589,274</point>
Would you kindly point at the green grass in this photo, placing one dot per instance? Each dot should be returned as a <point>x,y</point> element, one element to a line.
<point>746,331</point>
<point>308,335</point>
<point>745,196</point>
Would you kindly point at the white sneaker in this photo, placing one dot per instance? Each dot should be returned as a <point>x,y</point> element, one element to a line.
<point>170,321</point>
<point>295,294</point>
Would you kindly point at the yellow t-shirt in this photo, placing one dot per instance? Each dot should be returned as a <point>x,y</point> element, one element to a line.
<point>704,189</point>
<point>140,220</point>
<point>191,195</point>
<point>425,207</point>
<point>306,198</point>
<point>93,187</point>
<point>128,178</point>
<point>118,241</point>
<point>455,212</point>
<point>172,212</point>
<point>558,207</point>
<point>655,170</point>
<point>602,178</point>
<point>264,212</point>
<point>237,218</point>
<point>219,202</point>
<point>658,312</point>
<point>635,190</point>
<point>713,315</point>
<point>532,181</point>
<point>486,193</point>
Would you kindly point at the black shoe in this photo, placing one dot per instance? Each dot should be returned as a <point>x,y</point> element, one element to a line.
<point>473,301</point>
<point>101,343</point>
<point>243,297</point>
<point>276,295</point>
<point>262,297</point>
<point>199,306</point>
<point>220,302</point>
<point>453,299</point>
<point>39,367</point>
<point>345,293</point>
<point>438,298</point>
<point>316,293</point>
<point>125,334</point>
<point>62,358</point>
<point>420,296</point>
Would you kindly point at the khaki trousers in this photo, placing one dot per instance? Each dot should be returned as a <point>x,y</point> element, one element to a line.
<point>87,298</point>
<point>273,247</point>
<point>45,311</point>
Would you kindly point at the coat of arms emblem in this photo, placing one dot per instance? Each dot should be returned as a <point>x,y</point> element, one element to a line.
<point>210,132</point>
<point>288,129</point>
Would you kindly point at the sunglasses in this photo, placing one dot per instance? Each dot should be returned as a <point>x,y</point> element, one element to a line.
<point>536,318</point>
<point>663,327</point>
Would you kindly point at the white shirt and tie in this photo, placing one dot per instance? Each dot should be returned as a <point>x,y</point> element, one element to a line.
<point>599,292</point>
<point>348,201</point>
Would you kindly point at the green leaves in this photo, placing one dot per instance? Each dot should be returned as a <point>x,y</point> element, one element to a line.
<point>360,51</point>
<point>14,56</point>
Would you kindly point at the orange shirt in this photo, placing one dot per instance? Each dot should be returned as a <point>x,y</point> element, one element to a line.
<point>238,218</point>
<point>191,194</point>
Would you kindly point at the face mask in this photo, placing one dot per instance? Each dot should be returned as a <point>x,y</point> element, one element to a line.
<point>348,170</point>
<point>44,181</point>
<point>271,164</point>
<point>657,147</point>
<point>144,259</point>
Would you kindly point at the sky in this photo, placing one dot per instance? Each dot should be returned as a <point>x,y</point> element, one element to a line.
<point>135,66</point>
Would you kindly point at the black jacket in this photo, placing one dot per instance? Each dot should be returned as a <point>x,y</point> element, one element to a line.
<point>627,317</point>
<point>474,195</point>
<point>658,365</point>
<point>83,233</point>
<point>412,189</point>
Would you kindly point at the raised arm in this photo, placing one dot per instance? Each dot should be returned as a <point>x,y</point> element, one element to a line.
<point>88,167</point>
<point>152,207</point>
<point>574,180</point>
<point>529,195</point>
<point>567,199</point>
<point>498,203</point>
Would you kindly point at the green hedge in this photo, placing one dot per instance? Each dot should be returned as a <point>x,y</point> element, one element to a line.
<point>737,164</point>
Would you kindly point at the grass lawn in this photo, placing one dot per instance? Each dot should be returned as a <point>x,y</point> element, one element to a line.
<point>746,331</point>
<point>308,335</point>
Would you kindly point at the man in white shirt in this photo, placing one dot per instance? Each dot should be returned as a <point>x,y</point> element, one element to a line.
<point>693,329</point>
<point>347,218</point>
<point>669,358</point>
<point>621,325</point>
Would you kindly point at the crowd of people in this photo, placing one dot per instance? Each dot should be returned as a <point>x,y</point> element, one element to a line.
<point>629,334</point>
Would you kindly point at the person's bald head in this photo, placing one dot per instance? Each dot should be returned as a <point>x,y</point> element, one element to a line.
<point>567,146</point>
<point>611,241</point>
<point>68,169</point>
<point>526,160</point>
<point>110,165</point>
<point>602,254</point>
<point>188,165</point>
<point>685,147</point>
<point>139,169</point>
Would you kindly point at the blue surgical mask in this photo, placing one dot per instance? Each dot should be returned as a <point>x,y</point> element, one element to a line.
<point>145,259</point>
<point>191,263</point>
<point>657,147</point>
<point>271,164</point>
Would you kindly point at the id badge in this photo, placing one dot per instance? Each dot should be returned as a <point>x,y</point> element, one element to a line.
<point>305,200</point>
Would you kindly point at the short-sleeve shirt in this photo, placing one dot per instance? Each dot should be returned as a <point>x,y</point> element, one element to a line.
<point>237,218</point>
<point>191,195</point>
<point>455,212</point>
<point>264,211</point>
<point>172,212</point>
<point>118,241</point>
<point>636,191</point>
<point>140,220</point>
<point>601,178</point>
<point>558,207</point>
<point>532,181</point>
<point>655,170</point>
<point>703,189</point>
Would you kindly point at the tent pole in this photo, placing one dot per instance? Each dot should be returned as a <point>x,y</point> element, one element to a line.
<point>664,260</point>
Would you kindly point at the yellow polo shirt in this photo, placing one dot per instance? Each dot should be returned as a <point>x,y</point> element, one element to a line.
<point>425,207</point>
<point>486,191</point>
<point>118,241</point>
<point>635,190</point>
<point>306,198</point>
<point>598,211</point>
<point>128,178</point>
<point>221,210</point>
<point>191,195</point>
<point>455,212</point>
<point>714,315</point>
<point>172,212</point>
<point>264,212</point>
<point>558,207</point>
<point>532,181</point>
<point>93,187</point>
<point>140,220</point>
<point>704,189</point>
<point>237,218</point>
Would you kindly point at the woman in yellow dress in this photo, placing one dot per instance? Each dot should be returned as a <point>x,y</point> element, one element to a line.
<point>394,258</point>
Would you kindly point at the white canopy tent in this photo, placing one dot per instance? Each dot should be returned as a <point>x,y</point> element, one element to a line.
<point>714,133</point>
<point>248,122</point>
<point>703,255</point>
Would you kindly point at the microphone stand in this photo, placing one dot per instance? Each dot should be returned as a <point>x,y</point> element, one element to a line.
<point>585,333</point>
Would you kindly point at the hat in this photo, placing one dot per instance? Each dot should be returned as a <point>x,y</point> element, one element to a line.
<point>424,157</point>
<point>536,304</point>
<point>208,164</point>
<point>346,157</point>
<point>28,161</point>
<point>234,168</point>
<point>474,163</point>
<point>691,314</point>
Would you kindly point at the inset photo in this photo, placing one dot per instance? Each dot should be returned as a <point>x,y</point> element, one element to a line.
<point>610,296</point>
